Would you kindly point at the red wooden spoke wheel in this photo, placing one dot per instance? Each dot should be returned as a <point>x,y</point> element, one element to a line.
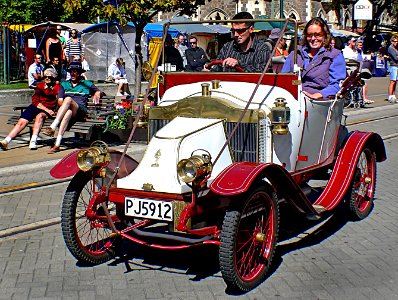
<point>219,62</point>
<point>248,240</point>
<point>89,239</point>
<point>361,193</point>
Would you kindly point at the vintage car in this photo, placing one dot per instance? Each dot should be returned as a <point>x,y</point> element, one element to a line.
<point>226,151</point>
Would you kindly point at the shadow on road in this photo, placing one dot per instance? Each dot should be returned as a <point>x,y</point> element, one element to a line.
<point>202,261</point>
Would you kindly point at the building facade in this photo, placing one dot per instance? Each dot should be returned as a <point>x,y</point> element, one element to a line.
<point>301,10</point>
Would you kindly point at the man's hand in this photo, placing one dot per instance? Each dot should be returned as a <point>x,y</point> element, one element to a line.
<point>230,62</point>
<point>96,97</point>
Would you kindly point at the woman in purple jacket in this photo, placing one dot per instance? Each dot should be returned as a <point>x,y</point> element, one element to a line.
<point>323,67</point>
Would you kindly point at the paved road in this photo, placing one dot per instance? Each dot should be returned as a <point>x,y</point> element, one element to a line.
<point>340,260</point>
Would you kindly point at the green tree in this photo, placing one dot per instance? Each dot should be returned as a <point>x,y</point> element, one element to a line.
<point>29,11</point>
<point>139,13</point>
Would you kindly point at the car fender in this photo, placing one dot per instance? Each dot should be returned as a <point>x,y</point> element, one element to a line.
<point>239,177</point>
<point>67,166</point>
<point>345,164</point>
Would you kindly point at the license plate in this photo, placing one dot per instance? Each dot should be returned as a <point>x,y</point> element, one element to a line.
<point>149,209</point>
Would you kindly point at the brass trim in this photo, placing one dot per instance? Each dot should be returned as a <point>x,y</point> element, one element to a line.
<point>205,107</point>
<point>296,82</point>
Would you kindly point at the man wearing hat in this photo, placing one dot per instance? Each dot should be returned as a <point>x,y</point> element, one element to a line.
<point>73,95</point>
<point>44,101</point>
<point>350,51</point>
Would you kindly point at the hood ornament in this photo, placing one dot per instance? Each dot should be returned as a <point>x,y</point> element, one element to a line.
<point>157,156</point>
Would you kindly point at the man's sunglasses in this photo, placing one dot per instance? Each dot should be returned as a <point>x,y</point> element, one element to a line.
<point>48,77</point>
<point>193,42</point>
<point>239,30</point>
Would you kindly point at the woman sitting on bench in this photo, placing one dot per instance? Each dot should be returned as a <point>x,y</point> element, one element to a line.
<point>44,101</point>
<point>119,75</point>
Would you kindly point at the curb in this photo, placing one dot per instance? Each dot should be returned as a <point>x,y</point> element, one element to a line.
<point>134,149</point>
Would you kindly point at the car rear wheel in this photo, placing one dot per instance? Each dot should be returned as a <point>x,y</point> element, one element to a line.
<point>361,193</point>
<point>248,240</point>
<point>89,239</point>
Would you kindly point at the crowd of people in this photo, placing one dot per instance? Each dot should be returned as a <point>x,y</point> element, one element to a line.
<point>60,89</point>
<point>323,69</point>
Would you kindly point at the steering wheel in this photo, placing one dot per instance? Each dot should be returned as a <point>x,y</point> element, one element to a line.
<point>220,61</point>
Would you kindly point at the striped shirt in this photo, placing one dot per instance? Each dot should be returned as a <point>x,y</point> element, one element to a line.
<point>252,60</point>
<point>73,49</point>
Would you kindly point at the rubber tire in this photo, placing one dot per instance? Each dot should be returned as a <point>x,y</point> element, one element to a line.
<point>232,225</point>
<point>95,246</point>
<point>360,195</point>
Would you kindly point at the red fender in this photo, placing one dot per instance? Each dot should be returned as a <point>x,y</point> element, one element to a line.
<point>67,166</point>
<point>239,177</point>
<point>344,168</point>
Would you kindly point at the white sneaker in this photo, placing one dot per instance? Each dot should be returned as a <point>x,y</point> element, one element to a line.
<point>32,145</point>
<point>392,99</point>
<point>4,145</point>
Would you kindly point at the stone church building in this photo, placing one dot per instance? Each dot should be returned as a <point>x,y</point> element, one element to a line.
<point>301,10</point>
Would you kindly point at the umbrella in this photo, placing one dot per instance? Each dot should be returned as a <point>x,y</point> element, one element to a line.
<point>222,29</point>
<point>271,24</point>
<point>188,28</point>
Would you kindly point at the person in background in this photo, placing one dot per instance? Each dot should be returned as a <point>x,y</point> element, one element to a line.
<point>53,46</point>
<point>73,95</point>
<point>35,71</point>
<point>323,67</point>
<point>196,56</point>
<point>171,54</point>
<point>392,52</point>
<point>280,53</point>
<point>350,50</point>
<point>57,67</point>
<point>44,101</point>
<point>180,45</point>
<point>118,73</point>
<point>74,47</point>
<point>333,43</point>
<point>362,58</point>
<point>60,37</point>
<point>281,48</point>
<point>245,50</point>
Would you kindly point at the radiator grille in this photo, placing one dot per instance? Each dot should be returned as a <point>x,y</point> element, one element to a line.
<point>243,143</point>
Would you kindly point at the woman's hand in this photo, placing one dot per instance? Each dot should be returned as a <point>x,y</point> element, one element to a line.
<point>313,96</point>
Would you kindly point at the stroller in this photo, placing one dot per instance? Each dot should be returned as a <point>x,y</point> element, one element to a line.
<point>352,87</point>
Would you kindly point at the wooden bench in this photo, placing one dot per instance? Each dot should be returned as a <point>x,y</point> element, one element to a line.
<point>92,128</point>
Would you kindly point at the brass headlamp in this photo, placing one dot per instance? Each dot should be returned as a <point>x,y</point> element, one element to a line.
<point>94,157</point>
<point>280,117</point>
<point>195,168</point>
